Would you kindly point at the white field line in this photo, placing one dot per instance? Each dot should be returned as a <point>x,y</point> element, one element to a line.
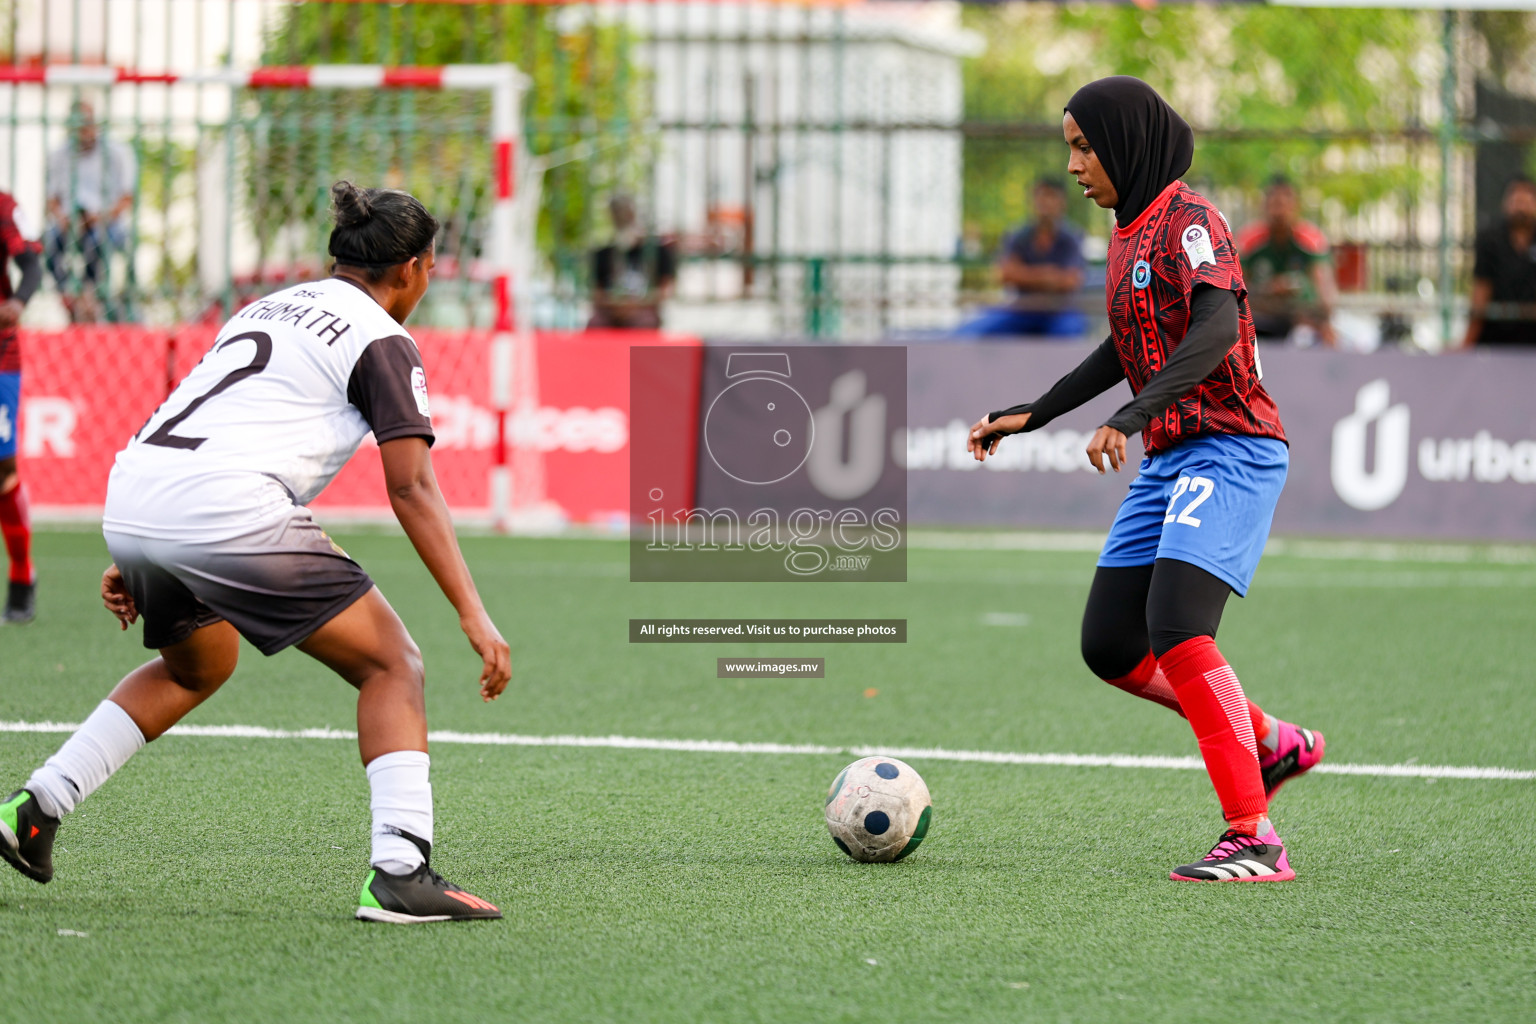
<point>1492,553</point>
<point>501,739</point>
<point>476,523</point>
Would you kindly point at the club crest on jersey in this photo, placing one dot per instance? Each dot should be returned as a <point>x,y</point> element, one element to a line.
<point>419,389</point>
<point>1197,246</point>
<point>1141,274</point>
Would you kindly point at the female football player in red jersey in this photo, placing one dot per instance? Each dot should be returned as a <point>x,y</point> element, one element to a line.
<point>17,245</point>
<point>1194,523</point>
<point>206,521</point>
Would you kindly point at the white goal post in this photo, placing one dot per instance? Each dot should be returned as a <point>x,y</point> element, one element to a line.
<point>508,251</point>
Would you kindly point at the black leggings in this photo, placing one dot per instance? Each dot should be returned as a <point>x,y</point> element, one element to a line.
<point>1141,607</point>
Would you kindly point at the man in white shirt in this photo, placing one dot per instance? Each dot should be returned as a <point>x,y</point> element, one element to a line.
<point>90,188</point>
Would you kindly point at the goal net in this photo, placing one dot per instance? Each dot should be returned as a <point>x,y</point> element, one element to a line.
<point>167,201</point>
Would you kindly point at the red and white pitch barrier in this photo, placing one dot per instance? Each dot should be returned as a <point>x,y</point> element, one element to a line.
<point>317,76</point>
<point>513,365</point>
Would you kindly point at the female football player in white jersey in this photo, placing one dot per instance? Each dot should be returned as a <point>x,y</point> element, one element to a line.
<point>210,540</point>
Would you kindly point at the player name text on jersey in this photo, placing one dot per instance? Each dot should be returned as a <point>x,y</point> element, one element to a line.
<point>322,323</point>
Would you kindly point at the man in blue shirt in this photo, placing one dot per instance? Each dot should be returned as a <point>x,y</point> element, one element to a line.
<point>1041,267</point>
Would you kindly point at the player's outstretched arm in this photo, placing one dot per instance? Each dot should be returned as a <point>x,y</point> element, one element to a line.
<point>1091,378</point>
<point>419,505</point>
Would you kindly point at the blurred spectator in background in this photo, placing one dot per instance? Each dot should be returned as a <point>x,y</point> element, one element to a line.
<point>90,187</point>
<point>1041,267</point>
<point>1504,274</point>
<point>631,275</point>
<point>1289,272</point>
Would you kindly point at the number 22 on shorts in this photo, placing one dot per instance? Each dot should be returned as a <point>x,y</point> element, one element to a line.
<point>1199,489</point>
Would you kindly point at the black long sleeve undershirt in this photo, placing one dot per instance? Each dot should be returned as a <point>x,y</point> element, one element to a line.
<point>1213,326</point>
<point>1211,334</point>
<point>1091,378</point>
<point>31,275</point>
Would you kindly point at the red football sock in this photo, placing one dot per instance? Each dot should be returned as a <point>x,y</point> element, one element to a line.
<point>1147,681</point>
<point>1213,701</point>
<point>1260,727</point>
<point>16,525</point>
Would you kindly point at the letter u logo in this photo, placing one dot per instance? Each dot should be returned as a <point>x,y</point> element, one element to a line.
<point>1379,486</point>
<point>852,421</point>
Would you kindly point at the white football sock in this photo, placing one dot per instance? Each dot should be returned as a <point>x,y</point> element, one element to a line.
<point>104,743</point>
<point>401,801</point>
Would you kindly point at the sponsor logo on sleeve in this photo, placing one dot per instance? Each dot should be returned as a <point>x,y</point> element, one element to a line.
<point>1197,246</point>
<point>419,389</point>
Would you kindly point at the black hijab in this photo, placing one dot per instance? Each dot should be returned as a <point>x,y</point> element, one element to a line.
<point>1142,142</point>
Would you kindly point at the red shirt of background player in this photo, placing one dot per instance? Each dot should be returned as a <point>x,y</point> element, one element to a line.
<point>1155,262</point>
<point>12,244</point>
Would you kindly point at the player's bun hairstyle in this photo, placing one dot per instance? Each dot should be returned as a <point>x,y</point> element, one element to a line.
<point>378,228</point>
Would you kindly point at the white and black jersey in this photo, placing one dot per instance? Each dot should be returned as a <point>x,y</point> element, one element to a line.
<point>291,386</point>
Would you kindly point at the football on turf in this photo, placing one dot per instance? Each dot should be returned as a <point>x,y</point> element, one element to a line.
<point>878,809</point>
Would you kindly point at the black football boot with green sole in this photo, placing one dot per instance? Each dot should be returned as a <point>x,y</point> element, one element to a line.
<point>26,836</point>
<point>419,897</point>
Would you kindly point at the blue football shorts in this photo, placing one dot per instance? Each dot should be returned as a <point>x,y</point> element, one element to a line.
<point>10,413</point>
<point>1208,501</point>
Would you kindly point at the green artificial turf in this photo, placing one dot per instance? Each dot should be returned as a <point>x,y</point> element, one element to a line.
<point>213,878</point>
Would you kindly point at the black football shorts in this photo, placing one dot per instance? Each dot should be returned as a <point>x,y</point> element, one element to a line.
<point>276,585</point>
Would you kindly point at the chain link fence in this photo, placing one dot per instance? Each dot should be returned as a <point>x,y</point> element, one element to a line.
<point>796,169</point>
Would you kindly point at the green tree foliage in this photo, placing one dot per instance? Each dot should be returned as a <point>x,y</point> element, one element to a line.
<point>1264,87</point>
<point>1506,54</point>
<point>583,88</point>
<point>1509,37</point>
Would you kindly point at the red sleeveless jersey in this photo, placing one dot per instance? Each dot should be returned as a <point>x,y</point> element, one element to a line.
<point>1181,240</point>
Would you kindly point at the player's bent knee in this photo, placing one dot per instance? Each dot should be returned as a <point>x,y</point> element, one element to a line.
<point>199,678</point>
<point>204,661</point>
<point>1108,656</point>
<point>412,666</point>
<point>400,670</point>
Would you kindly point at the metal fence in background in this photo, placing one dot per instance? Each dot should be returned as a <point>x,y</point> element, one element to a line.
<point>811,166</point>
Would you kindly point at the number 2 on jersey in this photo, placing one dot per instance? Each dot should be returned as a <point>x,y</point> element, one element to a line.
<point>163,436</point>
<point>1191,484</point>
